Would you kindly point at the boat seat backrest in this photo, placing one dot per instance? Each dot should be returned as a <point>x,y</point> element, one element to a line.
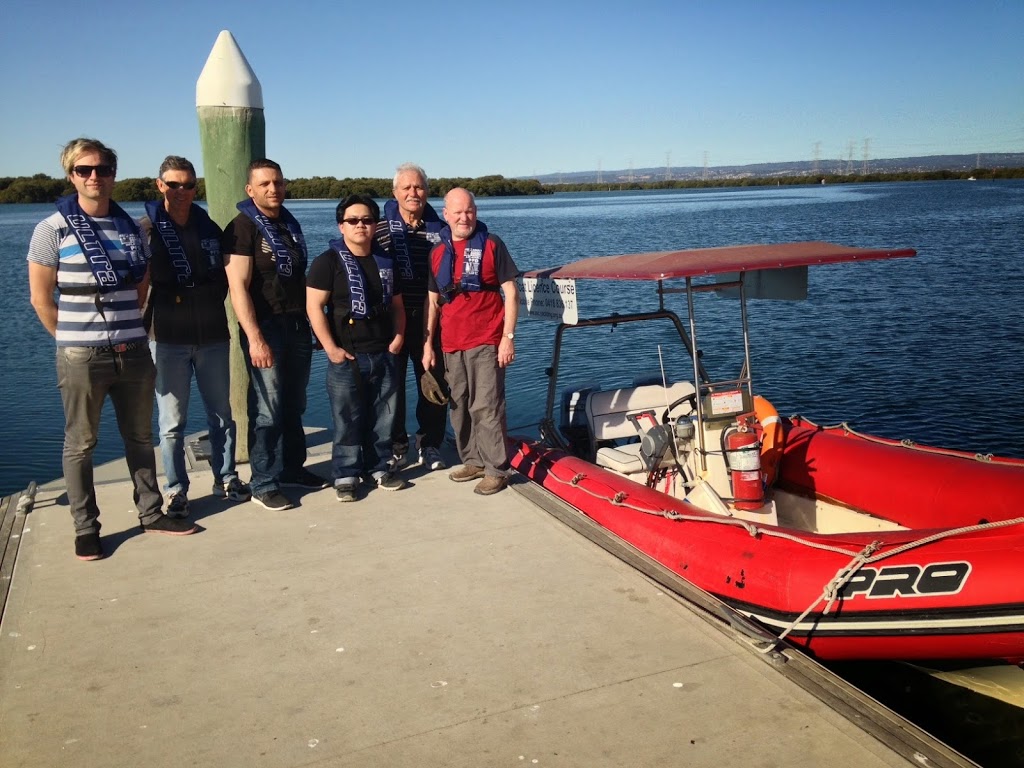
<point>609,411</point>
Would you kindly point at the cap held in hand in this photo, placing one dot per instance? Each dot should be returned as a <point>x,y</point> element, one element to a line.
<point>435,391</point>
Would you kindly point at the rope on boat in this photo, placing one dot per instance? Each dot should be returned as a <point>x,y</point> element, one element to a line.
<point>620,499</point>
<point>985,458</point>
<point>867,556</point>
<point>830,594</point>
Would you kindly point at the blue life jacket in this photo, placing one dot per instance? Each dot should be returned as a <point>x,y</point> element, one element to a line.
<point>268,228</point>
<point>108,278</point>
<point>360,307</point>
<point>472,260</point>
<point>164,226</point>
<point>398,229</point>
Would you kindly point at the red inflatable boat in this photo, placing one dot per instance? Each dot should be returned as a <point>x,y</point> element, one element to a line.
<point>849,545</point>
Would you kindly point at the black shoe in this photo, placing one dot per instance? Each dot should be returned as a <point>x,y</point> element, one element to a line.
<point>389,481</point>
<point>170,526</point>
<point>88,547</point>
<point>233,489</point>
<point>346,493</point>
<point>273,500</point>
<point>305,479</point>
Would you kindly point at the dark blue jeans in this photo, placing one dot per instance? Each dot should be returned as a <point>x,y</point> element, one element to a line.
<point>363,409</point>
<point>277,400</point>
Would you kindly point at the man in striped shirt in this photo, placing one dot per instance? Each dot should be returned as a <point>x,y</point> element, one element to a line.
<point>92,254</point>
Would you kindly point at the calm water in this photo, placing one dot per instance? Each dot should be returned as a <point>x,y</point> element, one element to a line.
<point>925,348</point>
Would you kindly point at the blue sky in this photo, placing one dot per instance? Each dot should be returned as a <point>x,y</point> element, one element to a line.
<point>517,88</point>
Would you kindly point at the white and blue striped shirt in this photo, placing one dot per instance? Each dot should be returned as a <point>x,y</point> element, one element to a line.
<point>84,320</point>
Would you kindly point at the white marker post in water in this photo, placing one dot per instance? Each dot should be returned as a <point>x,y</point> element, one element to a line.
<point>229,101</point>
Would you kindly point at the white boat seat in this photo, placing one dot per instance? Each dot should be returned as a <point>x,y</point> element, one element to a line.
<point>609,415</point>
<point>624,459</point>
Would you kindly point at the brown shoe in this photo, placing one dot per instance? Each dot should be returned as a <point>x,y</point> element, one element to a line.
<point>465,473</point>
<point>490,484</point>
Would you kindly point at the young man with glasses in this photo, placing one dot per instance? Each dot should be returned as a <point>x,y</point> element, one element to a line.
<point>188,327</point>
<point>266,269</point>
<point>93,255</point>
<point>356,283</point>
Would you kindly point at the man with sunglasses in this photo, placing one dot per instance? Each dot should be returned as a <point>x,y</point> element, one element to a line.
<point>266,269</point>
<point>361,332</point>
<point>188,326</point>
<point>93,254</point>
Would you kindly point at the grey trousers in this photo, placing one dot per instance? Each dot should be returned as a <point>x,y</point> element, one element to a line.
<point>85,376</point>
<point>477,408</point>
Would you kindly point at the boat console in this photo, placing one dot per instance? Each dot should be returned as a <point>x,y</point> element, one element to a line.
<point>648,434</point>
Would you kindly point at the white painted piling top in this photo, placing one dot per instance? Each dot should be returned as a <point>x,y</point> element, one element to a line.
<point>227,80</point>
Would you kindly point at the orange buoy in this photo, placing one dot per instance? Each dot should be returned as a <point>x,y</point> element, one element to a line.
<point>772,438</point>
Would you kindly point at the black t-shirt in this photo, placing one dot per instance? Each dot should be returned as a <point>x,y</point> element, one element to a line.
<point>271,293</point>
<point>352,334</point>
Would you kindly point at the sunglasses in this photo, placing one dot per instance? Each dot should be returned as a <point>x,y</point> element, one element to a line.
<point>365,220</point>
<point>85,171</point>
<point>190,185</point>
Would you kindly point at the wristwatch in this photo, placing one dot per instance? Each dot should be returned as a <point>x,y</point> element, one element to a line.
<point>510,336</point>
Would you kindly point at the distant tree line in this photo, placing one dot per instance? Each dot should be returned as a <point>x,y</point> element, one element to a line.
<point>44,189</point>
<point>330,188</point>
<point>771,181</point>
<point>33,189</point>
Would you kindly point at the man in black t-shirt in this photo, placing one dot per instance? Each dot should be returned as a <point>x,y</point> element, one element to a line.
<point>266,269</point>
<point>362,330</point>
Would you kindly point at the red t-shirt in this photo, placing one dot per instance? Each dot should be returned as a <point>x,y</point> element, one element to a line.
<point>474,318</point>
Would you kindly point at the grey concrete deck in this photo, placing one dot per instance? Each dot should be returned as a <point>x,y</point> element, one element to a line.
<point>428,627</point>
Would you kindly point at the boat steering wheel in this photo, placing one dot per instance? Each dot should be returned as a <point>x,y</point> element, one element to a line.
<point>690,398</point>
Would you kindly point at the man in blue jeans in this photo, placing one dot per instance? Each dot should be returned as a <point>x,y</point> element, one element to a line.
<point>408,231</point>
<point>101,344</point>
<point>266,270</point>
<point>362,331</point>
<point>188,328</point>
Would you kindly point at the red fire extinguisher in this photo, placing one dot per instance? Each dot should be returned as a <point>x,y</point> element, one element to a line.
<point>743,457</point>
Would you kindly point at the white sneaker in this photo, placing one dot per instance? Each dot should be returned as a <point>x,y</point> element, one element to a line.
<point>430,458</point>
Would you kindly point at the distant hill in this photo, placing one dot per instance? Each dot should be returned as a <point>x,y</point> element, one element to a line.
<point>797,168</point>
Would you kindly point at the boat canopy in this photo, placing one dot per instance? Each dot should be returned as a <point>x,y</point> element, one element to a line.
<point>698,262</point>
